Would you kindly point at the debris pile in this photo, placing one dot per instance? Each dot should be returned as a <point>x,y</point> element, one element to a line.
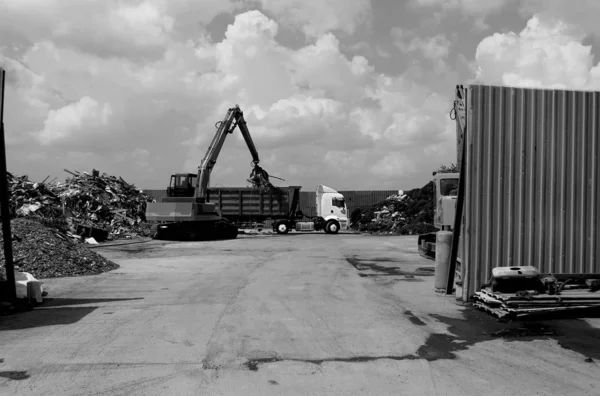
<point>105,202</point>
<point>32,198</point>
<point>83,203</point>
<point>259,178</point>
<point>49,253</point>
<point>407,213</point>
<point>549,296</point>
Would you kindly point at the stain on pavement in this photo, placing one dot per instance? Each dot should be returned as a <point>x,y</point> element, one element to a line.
<point>414,319</point>
<point>14,375</point>
<point>382,270</point>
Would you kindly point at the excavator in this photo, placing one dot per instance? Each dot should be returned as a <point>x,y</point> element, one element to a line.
<point>185,213</point>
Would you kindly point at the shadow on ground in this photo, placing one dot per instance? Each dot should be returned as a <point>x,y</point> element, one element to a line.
<point>61,302</point>
<point>54,311</point>
<point>476,327</point>
<point>571,332</point>
<point>363,265</point>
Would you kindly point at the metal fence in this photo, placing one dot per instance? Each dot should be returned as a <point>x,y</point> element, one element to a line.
<point>532,183</point>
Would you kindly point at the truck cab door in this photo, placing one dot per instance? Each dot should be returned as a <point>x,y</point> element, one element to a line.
<point>338,207</point>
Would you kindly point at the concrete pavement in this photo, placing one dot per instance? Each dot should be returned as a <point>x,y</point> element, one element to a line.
<point>308,314</point>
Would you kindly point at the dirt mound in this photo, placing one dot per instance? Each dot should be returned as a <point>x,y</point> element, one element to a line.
<point>46,252</point>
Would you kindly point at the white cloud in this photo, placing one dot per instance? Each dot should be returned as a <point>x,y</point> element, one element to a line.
<point>393,165</point>
<point>582,14</point>
<point>134,29</point>
<point>317,17</point>
<point>475,11</point>
<point>472,7</point>
<point>545,54</point>
<point>315,114</point>
<point>435,49</point>
<point>83,116</point>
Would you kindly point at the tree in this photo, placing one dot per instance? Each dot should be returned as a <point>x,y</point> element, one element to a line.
<point>453,168</point>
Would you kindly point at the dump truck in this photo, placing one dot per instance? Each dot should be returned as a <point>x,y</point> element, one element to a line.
<point>281,206</point>
<point>186,214</point>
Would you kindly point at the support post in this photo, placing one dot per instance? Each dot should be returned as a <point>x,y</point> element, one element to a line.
<point>11,292</point>
<point>456,230</point>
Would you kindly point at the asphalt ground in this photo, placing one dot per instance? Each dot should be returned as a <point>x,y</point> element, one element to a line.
<point>298,314</point>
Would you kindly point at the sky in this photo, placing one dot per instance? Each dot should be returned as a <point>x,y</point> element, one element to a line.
<point>352,94</point>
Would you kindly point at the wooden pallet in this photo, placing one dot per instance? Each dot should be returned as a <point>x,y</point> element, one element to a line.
<point>566,295</point>
<point>504,306</point>
<point>499,312</point>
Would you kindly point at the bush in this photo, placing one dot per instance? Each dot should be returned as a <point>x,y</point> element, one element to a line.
<point>356,215</point>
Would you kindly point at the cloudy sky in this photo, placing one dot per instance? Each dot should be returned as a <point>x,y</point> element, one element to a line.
<point>353,94</point>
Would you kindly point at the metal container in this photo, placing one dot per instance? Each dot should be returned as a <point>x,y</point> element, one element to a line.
<point>246,204</point>
<point>532,194</point>
<point>515,272</point>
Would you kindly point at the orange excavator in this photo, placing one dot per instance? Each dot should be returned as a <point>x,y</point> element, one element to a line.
<point>185,213</point>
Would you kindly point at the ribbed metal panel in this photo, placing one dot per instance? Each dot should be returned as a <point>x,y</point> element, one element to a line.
<point>365,199</point>
<point>307,203</point>
<point>156,194</point>
<point>244,202</point>
<point>532,182</point>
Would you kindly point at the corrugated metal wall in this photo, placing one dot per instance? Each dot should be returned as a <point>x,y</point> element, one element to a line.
<point>307,203</point>
<point>156,194</point>
<point>532,182</point>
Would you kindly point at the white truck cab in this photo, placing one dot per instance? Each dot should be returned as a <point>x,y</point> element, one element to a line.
<point>331,214</point>
<point>331,205</point>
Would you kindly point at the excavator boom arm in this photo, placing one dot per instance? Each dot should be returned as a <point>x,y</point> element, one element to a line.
<point>241,123</point>
<point>233,118</point>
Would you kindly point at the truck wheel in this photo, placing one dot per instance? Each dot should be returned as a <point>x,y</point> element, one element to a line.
<point>332,227</point>
<point>282,228</point>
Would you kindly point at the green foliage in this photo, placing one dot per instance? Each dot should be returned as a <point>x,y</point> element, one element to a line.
<point>453,168</point>
<point>356,215</point>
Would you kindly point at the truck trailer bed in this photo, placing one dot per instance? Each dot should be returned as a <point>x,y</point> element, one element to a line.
<point>242,204</point>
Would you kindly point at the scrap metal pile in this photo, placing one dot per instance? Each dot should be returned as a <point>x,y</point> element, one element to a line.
<point>47,252</point>
<point>402,214</point>
<point>259,178</point>
<point>28,198</point>
<point>85,201</point>
<point>542,294</point>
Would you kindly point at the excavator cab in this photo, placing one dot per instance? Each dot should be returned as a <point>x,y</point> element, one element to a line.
<point>182,185</point>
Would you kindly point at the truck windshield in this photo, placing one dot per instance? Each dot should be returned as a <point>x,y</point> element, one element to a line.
<point>339,202</point>
<point>449,187</point>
